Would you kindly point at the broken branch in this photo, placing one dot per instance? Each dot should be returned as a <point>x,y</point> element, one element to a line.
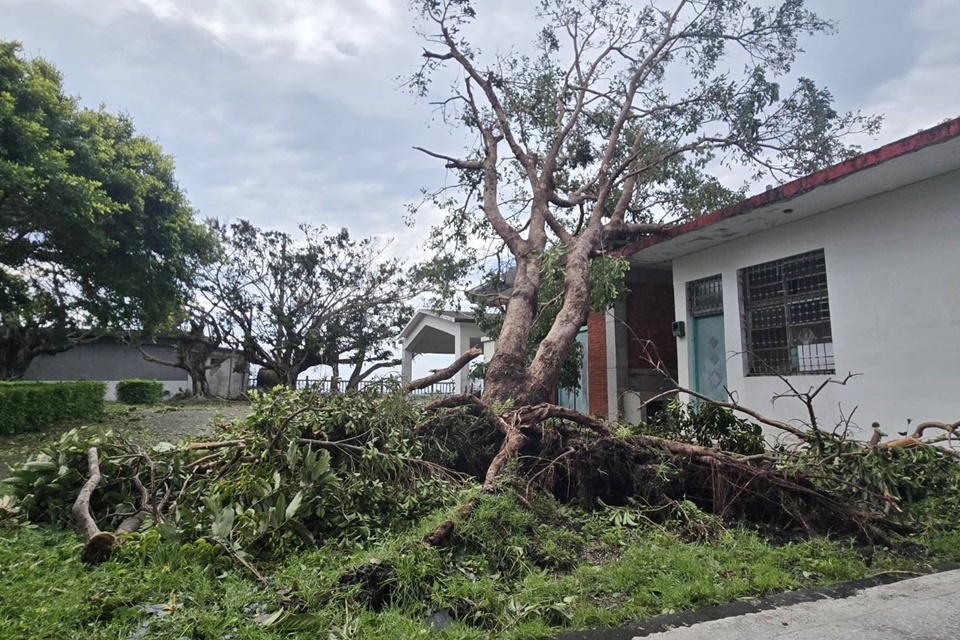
<point>445,373</point>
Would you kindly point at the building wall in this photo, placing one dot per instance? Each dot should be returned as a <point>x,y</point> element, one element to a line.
<point>597,363</point>
<point>112,362</point>
<point>225,381</point>
<point>648,342</point>
<point>621,376</point>
<point>649,313</point>
<point>893,279</point>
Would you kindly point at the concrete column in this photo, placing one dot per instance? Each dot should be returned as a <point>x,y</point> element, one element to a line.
<point>406,366</point>
<point>617,366</point>
<point>459,347</point>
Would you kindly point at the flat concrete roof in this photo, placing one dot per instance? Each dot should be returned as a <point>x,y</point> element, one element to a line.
<point>927,154</point>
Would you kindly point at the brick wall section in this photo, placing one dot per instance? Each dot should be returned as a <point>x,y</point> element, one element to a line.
<point>597,362</point>
<point>650,312</point>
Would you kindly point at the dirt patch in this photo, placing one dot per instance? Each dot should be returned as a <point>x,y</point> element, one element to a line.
<point>170,423</point>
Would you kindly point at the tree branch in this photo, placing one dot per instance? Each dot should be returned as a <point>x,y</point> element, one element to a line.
<point>445,373</point>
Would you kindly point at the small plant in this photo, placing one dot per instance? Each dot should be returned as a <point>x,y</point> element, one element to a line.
<point>139,391</point>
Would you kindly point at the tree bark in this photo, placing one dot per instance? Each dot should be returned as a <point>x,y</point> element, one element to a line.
<point>358,375</point>
<point>507,377</point>
<point>100,544</point>
<point>19,346</point>
<point>194,357</point>
<point>544,371</point>
<point>445,373</point>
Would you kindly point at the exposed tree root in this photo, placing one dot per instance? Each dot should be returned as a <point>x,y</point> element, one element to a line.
<point>580,458</point>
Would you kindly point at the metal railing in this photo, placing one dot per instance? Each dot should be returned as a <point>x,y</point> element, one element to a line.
<point>380,386</point>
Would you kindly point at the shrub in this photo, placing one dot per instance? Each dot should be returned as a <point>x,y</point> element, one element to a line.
<point>707,425</point>
<point>28,406</point>
<point>139,391</point>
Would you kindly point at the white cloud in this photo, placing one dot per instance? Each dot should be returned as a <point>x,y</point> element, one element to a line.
<point>312,31</point>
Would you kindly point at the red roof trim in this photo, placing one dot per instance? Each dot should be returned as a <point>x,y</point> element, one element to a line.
<point>927,138</point>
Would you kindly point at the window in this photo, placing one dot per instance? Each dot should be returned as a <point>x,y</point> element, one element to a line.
<point>705,297</point>
<point>786,315</point>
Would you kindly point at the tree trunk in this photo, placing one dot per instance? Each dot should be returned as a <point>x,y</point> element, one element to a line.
<point>335,377</point>
<point>507,377</point>
<point>544,371</point>
<point>13,361</point>
<point>289,377</point>
<point>19,346</point>
<point>200,384</point>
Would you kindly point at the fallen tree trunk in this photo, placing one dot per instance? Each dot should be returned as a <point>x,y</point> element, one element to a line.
<point>100,544</point>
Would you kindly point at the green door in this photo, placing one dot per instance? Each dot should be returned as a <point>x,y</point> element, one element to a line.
<point>577,399</point>
<point>710,357</point>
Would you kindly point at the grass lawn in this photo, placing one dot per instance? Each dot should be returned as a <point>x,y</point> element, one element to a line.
<point>510,570</point>
<point>497,584</point>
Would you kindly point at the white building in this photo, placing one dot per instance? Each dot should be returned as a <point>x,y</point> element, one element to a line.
<point>853,269</point>
<point>439,332</point>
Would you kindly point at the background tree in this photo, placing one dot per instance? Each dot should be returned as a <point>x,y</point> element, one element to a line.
<point>295,304</point>
<point>198,338</point>
<point>94,230</point>
<point>607,131</point>
<point>360,341</point>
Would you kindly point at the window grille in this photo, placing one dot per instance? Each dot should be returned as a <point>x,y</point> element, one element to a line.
<point>787,316</point>
<point>705,297</point>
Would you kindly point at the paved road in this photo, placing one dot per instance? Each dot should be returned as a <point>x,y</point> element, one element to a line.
<point>924,608</point>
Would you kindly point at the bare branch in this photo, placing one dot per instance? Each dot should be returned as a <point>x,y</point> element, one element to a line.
<point>445,373</point>
<point>453,163</point>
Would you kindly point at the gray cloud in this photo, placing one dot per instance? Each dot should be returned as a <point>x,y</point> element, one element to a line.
<point>288,111</point>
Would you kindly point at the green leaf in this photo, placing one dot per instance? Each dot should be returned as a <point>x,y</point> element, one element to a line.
<point>294,505</point>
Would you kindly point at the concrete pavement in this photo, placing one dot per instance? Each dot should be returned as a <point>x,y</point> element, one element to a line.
<point>922,608</point>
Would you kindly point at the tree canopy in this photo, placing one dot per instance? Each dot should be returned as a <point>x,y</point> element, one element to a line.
<point>294,303</point>
<point>615,124</point>
<point>94,229</point>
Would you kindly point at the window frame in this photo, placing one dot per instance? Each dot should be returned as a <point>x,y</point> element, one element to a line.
<point>781,294</point>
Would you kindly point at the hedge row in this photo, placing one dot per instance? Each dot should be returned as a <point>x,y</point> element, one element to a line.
<point>139,391</point>
<point>28,406</point>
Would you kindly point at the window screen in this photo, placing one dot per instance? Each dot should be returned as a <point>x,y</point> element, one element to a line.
<point>787,316</point>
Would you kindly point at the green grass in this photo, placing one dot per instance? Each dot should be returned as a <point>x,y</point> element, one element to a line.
<point>510,573</point>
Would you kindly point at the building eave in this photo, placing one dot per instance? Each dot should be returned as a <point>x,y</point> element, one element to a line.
<point>453,317</point>
<point>924,155</point>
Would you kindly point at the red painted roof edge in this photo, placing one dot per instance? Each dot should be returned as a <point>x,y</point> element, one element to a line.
<point>926,138</point>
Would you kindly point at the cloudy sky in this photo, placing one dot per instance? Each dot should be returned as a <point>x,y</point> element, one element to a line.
<point>289,111</point>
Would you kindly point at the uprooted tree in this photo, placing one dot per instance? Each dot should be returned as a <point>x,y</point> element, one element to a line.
<point>599,147</point>
<point>604,132</point>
